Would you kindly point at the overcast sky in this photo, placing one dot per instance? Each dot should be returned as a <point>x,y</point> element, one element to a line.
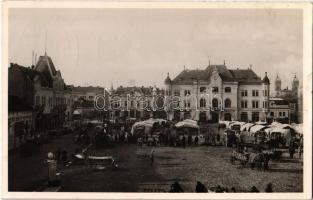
<point>126,46</point>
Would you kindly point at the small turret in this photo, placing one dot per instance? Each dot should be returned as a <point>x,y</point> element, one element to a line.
<point>168,79</point>
<point>265,79</point>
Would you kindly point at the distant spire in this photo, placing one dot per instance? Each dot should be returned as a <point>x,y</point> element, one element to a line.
<point>224,62</point>
<point>209,62</point>
<point>184,67</point>
<point>46,43</point>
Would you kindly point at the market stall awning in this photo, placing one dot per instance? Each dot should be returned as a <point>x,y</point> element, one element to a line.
<point>76,112</point>
<point>257,128</point>
<point>187,123</point>
<point>246,126</point>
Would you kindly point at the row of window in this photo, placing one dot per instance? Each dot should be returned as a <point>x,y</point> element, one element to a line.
<point>52,101</point>
<point>255,93</point>
<point>202,90</point>
<point>244,116</point>
<point>244,93</point>
<point>255,104</point>
<point>281,114</point>
<point>203,103</point>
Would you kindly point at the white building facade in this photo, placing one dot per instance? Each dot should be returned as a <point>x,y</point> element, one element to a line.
<point>217,93</point>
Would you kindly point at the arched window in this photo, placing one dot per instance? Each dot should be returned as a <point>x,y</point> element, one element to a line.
<point>214,103</point>
<point>227,103</point>
<point>202,103</point>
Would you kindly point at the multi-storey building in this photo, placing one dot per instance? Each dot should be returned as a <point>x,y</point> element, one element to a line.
<point>136,102</point>
<point>279,110</point>
<point>218,93</point>
<point>42,87</point>
<point>292,97</point>
<point>86,93</point>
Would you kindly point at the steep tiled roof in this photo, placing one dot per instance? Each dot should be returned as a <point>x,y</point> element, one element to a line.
<point>245,76</point>
<point>87,89</point>
<point>189,76</point>
<point>46,80</point>
<point>131,90</point>
<point>222,71</point>
<point>238,75</point>
<point>45,64</point>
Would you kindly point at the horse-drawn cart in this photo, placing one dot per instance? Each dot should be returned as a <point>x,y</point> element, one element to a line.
<point>258,160</point>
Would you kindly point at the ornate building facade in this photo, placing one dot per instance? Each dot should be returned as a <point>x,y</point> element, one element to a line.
<point>218,93</point>
<point>42,88</point>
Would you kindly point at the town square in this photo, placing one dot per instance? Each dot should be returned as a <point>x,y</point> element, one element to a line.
<point>165,101</point>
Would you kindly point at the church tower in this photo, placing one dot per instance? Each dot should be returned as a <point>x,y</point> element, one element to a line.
<point>277,84</point>
<point>295,84</point>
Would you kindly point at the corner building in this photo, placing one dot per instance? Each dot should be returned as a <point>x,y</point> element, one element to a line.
<point>218,93</point>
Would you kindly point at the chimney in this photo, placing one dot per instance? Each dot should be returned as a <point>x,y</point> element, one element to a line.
<point>250,66</point>
<point>224,63</point>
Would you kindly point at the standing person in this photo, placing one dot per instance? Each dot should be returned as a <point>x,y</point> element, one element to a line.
<point>189,140</point>
<point>52,167</point>
<point>184,141</point>
<point>291,149</point>
<point>200,188</point>
<point>196,140</point>
<point>152,157</point>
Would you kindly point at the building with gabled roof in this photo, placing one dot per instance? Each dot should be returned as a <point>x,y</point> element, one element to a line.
<point>43,88</point>
<point>218,93</point>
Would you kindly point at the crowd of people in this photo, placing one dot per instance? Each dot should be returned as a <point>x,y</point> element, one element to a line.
<point>201,188</point>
